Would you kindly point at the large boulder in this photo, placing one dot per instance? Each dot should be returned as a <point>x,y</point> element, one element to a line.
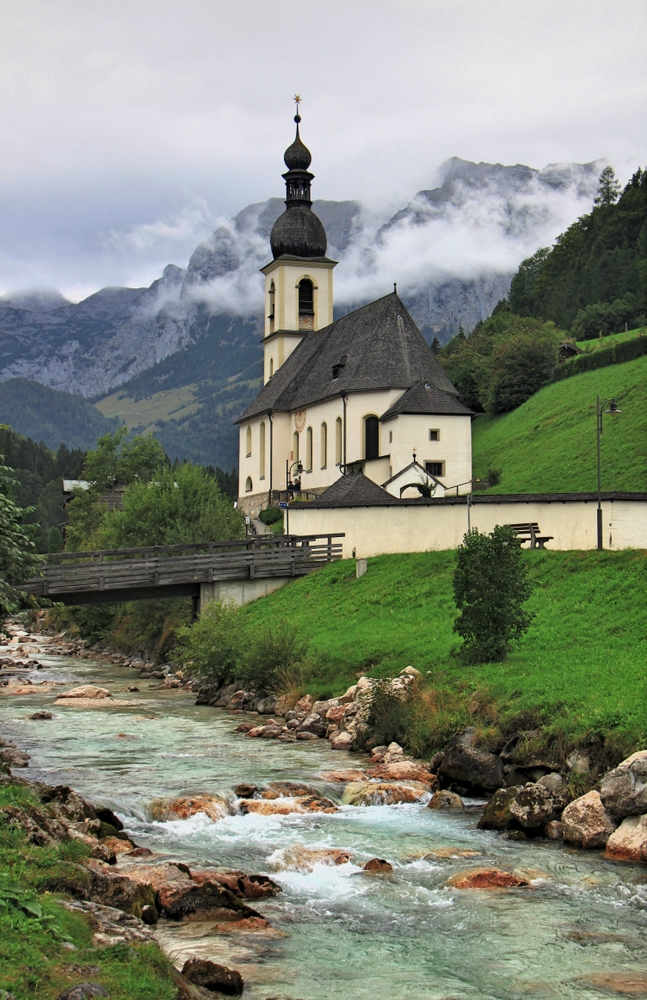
<point>497,814</point>
<point>534,805</point>
<point>488,878</point>
<point>214,977</point>
<point>377,793</point>
<point>629,841</point>
<point>189,805</point>
<point>444,799</point>
<point>586,822</point>
<point>624,789</point>
<point>299,858</point>
<point>87,691</point>
<point>405,770</point>
<point>343,741</point>
<point>476,769</point>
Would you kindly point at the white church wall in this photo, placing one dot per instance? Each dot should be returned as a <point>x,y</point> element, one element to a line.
<point>453,447</point>
<point>372,531</point>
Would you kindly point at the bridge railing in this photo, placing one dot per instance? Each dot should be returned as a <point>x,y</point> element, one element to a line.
<point>173,565</point>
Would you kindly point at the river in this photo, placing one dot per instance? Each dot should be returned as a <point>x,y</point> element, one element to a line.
<point>340,933</point>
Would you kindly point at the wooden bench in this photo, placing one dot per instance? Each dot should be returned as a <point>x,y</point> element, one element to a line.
<point>528,531</point>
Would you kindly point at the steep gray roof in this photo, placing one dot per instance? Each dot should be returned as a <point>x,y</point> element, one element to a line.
<point>425,397</point>
<point>353,490</point>
<point>380,347</point>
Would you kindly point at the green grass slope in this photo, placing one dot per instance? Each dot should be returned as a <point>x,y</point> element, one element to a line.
<point>549,443</point>
<point>581,668</point>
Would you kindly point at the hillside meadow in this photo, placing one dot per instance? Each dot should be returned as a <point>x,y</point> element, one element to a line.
<point>549,443</point>
<point>581,670</point>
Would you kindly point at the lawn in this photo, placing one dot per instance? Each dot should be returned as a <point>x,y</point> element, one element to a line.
<point>549,443</point>
<point>581,669</point>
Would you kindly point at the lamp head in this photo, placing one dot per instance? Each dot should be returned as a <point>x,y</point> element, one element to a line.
<point>613,408</point>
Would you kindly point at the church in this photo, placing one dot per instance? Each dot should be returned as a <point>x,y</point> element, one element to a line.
<point>364,393</point>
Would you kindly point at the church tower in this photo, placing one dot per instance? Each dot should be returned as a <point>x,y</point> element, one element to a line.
<point>298,281</point>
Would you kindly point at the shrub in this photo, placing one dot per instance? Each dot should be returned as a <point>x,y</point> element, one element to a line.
<point>615,354</point>
<point>490,586</point>
<point>271,656</point>
<point>211,649</point>
<point>271,515</point>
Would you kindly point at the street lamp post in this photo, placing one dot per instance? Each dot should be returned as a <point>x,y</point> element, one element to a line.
<point>613,409</point>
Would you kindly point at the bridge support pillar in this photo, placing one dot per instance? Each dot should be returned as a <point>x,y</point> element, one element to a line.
<point>240,591</point>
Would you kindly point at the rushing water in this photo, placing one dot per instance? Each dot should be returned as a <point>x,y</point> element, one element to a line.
<point>340,933</point>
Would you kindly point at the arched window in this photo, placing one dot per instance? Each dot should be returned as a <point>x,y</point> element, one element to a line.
<point>248,443</point>
<point>248,485</point>
<point>261,451</point>
<point>271,367</point>
<point>338,441</point>
<point>309,449</point>
<point>295,447</point>
<point>324,445</point>
<point>372,438</point>
<point>306,304</point>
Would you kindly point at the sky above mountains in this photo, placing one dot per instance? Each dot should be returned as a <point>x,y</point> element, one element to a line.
<point>131,130</point>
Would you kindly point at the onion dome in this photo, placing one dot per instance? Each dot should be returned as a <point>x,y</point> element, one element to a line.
<point>298,232</point>
<point>297,156</point>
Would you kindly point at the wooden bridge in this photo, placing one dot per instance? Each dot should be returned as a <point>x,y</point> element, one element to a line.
<point>195,570</point>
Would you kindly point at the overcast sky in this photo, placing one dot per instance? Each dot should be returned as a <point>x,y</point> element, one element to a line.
<point>130,127</point>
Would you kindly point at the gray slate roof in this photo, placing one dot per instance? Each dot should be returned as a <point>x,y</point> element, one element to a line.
<point>425,397</point>
<point>383,349</point>
<point>357,490</point>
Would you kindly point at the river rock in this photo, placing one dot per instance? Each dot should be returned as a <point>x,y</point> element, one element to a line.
<point>624,789</point>
<point>497,815</point>
<point>66,804</point>
<point>305,704</point>
<point>405,770</point>
<point>209,975</point>
<point>450,854</point>
<point>117,845</point>
<point>112,888</point>
<point>306,735</point>
<point>275,789</point>
<point>534,805</point>
<point>343,741</point>
<point>553,782</point>
<point>83,991</point>
<point>474,768</point>
<point>344,776</point>
<point>189,805</point>
<point>380,793</point>
<point>14,758</point>
<point>41,716</point>
<point>113,926</point>
<point>322,707</point>
<point>586,822</point>
<point>487,878</point>
<point>578,763</point>
<point>629,841</point>
<point>179,895</point>
<point>627,984</point>
<point>286,805</point>
<point>245,790</point>
<point>555,830</point>
<point>242,885</point>
<point>87,691</point>
<point>299,858</point>
<point>445,799</point>
<point>378,866</point>
<point>313,724</point>
<point>266,705</point>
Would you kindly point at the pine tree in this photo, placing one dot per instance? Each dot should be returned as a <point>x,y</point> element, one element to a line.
<point>608,188</point>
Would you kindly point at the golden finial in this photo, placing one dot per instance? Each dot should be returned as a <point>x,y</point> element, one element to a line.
<point>297,117</point>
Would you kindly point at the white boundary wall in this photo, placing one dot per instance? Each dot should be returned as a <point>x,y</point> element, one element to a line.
<point>373,531</point>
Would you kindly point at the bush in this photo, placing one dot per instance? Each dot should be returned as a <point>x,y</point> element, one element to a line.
<point>615,354</point>
<point>271,515</point>
<point>605,318</point>
<point>490,586</point>
<point>271,656</point>
<point>211,648</point>
<point>520,366</point>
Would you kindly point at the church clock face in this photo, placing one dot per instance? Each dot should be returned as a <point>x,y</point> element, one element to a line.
<point>299,421</point>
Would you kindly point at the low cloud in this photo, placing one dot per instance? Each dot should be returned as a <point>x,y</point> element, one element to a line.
<point>190,222</point>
